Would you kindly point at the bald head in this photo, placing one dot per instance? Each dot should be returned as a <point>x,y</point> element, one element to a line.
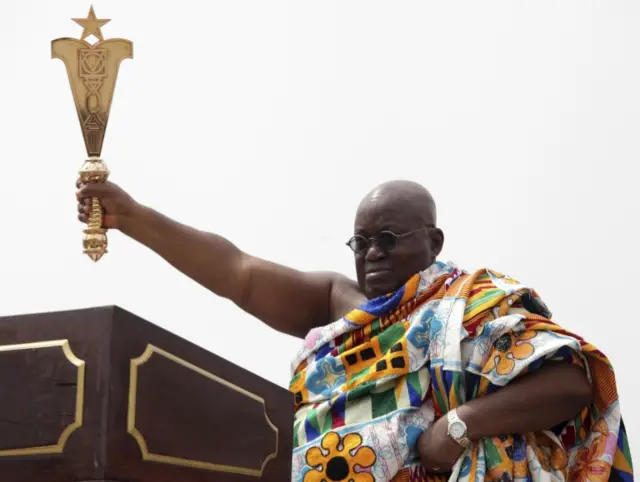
<point>408,195</point>
<point>401,216</point>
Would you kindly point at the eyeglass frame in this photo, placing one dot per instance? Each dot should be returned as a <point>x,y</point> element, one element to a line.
<point>370,240</point>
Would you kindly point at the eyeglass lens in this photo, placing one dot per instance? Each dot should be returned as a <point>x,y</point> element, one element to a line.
<point>385,240</point>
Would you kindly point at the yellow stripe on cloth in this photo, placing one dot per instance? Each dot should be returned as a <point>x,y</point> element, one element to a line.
<point>360,317</point>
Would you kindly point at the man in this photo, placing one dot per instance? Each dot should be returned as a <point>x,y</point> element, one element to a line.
<point>418,368</point>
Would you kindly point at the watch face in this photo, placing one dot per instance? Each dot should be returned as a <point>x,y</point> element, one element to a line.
<point>457,430</point>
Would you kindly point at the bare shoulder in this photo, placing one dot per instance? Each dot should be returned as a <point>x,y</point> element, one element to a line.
<point>345,296</point>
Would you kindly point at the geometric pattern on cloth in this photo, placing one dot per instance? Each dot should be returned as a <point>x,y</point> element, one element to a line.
<point>368,385</point>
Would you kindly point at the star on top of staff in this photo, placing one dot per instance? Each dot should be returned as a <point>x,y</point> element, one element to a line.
<point>91,25</point>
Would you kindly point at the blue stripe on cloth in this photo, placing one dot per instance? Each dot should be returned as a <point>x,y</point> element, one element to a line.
<point>323,351</point>
<point>383,304</point>
<point>310,431</point>
<point>414,397</point>
<point>339,406</point>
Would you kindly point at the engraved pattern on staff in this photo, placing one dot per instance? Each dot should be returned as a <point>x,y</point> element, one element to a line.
<point>93,69</point>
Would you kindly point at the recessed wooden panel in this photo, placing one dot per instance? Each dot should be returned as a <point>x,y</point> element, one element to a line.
<point>42,397</point>
<point>171,399</point>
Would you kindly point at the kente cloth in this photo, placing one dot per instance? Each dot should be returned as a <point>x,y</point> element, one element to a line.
<point>368,385</point>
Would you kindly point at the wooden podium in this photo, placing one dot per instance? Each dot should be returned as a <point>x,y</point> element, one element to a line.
<point>103,395</point>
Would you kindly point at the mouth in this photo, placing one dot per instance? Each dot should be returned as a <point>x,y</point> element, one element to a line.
<point>376,273</point>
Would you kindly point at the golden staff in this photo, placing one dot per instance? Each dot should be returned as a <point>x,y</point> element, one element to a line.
<point>92,70</point>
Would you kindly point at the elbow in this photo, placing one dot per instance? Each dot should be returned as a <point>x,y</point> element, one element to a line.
<point>568,391</point>
<point>584,393</point>
<point>579,392</point>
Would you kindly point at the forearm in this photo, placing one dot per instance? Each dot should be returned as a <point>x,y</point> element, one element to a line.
<point>538,401</point>
<point>207,258</point>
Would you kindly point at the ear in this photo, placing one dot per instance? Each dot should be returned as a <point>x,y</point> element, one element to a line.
<point>437,241</point>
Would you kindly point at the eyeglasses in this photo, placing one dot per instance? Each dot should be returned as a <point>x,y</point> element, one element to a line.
<point>386,240</point>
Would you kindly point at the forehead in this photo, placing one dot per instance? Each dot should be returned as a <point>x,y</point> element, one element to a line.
<point>381,213</point>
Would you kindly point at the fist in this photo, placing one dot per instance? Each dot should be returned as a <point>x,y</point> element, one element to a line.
<point>116,204</point>
<point>438,451</point>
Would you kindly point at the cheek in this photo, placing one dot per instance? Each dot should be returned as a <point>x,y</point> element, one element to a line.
<point>408,262</point>
<point>406,256</point>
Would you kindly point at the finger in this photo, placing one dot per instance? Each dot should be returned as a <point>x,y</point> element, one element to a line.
<point>83,198</point>
<point>84,209</point>
<point>78,183</point>
<point>82,217</point>
<point>92,190</point>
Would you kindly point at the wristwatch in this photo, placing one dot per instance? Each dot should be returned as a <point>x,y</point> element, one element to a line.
<point>457,429</point>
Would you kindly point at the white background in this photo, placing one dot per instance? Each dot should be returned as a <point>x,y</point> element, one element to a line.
<point>267,121</point>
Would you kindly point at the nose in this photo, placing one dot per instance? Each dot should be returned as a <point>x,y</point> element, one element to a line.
<point>374,253</point>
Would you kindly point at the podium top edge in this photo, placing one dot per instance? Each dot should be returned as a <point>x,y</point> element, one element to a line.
<point>112,309</point>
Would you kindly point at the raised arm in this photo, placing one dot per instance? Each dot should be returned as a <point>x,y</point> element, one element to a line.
<point>288,300</point>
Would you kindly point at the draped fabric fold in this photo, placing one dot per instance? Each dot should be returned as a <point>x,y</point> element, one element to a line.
<point>367,385</point>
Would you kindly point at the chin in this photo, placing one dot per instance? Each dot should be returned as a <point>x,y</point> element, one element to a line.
<point>372,292</point>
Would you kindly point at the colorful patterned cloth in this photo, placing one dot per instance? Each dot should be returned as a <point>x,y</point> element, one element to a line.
<point>369,384</point>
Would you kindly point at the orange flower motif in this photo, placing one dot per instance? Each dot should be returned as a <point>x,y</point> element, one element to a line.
<point>588,467</point>
<point>339,459</point>
<point>549,453</point>
<point>507,348</point>
<point>601,427</point>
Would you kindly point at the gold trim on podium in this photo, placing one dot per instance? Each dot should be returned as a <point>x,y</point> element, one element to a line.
<point>196,464</point>
<point>58,448</point>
